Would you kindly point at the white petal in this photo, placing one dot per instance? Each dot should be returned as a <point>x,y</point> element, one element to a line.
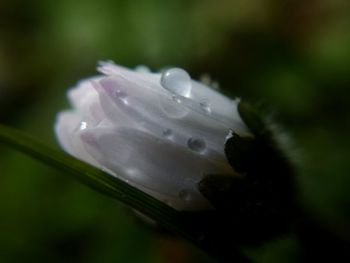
<point>158,113</point>
<point>151,80</point>
<point>67,128</point>
<point>66,124</point>
<point>152,164</point>
<point>83,93</point>
<point>135,127</point>
<point>114,115</point>
<point>221,107</point>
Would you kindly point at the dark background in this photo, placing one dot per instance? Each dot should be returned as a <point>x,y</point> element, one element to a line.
<point>291,56</point>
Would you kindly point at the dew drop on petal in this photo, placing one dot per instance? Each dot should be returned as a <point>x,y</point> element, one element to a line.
<point>177,81</point>
<point>121,96</point>
<point>177,99</point>
<point>83,125</point>
<point>205,106</point>
<point>196,144</point>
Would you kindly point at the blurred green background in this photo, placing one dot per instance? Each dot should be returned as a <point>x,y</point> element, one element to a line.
<point>291,56</point>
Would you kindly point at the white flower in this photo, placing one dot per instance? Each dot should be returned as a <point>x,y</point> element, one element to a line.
<point>160,132</point>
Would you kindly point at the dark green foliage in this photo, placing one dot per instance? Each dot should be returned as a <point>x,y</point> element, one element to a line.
<point>263,203</point>
<point>260,202</point>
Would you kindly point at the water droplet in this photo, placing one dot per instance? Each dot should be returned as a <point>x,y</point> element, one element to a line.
<point>167,133</point>
<point>177,81</point>
<point>121,96</point>
<point>176,99</point>
<point>173,107</point>
<point>205,106</point>
<point>185,195</point>
<point>196,144</point>
<point>83,125</point>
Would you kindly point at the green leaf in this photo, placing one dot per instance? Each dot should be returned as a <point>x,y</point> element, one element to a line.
<point>181,223</point>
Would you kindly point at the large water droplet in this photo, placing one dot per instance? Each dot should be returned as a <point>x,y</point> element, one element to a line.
<point>196,144</point>
<point>177,81</point>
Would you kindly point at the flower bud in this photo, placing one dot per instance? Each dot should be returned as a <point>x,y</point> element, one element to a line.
<point>160,132</point>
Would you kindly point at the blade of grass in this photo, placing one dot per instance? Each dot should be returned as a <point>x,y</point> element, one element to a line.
<point>174,221</point>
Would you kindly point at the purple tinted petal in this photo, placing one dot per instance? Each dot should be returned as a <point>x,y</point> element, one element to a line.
<point>153,164</point>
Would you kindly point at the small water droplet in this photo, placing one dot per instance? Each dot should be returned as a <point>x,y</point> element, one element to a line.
<point>185,195</point>
<point>83,125</point>
<point>167,132</point>
<point>196,144</point>
<point>176,99</point>
<point>177,81</point>
<point>121,96</point>
<point>205,106</point>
